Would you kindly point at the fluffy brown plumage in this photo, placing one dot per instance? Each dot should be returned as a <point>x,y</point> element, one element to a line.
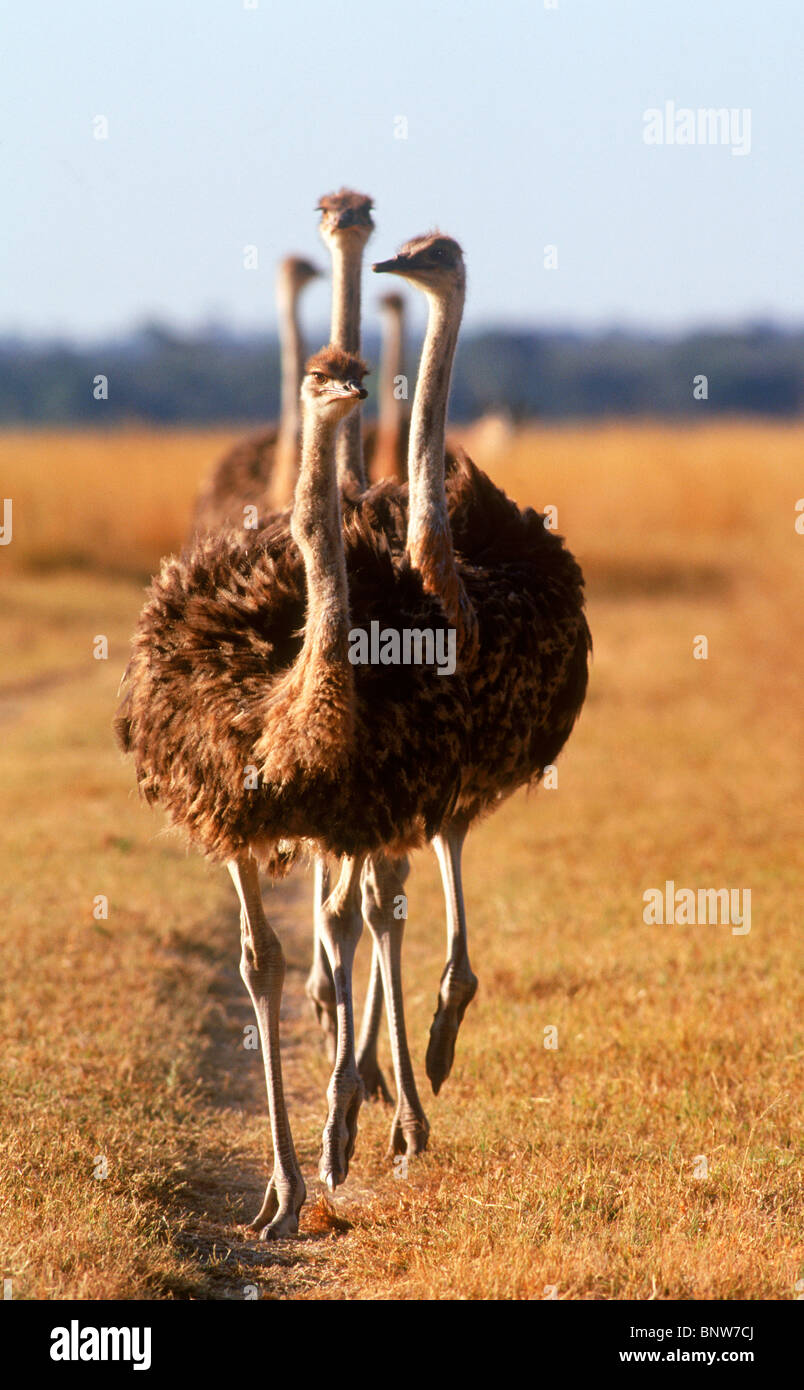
<point>513,591</point>
<point>528,683</point>
<point>221,625</point>
<point>526,688</point>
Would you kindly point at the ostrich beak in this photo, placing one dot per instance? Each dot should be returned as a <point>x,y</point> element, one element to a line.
<point>397,265</point>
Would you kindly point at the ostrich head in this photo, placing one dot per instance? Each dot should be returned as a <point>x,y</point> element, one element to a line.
<point>432,262</point>
<point>392,303</point>
<point>297,272</point>
<point>345,218</point>
<point>333,383</point>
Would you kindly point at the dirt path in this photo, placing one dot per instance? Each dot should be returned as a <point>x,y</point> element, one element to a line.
<point>216,1201</point>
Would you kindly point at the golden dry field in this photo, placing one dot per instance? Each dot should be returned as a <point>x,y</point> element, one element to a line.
<point>575,1171</point>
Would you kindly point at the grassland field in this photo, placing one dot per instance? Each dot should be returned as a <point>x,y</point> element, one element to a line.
<point>575,1169</point>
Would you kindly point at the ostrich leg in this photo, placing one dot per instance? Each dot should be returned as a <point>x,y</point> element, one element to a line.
<point>262,967</point>
<point>373,1079</point>
<point>339,924</point>
<point>367,1064</point>
<point>382,886</point>
<point>458,982</point>
<point>320,986</point>
<point>320,990</point>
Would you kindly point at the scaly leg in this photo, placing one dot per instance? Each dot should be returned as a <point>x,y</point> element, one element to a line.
<point>367,1064</point>
<point>382,887</point>
<point>320,987</point>
<point>262,967</point>
<point>458,982</point>
<point>339,926</point>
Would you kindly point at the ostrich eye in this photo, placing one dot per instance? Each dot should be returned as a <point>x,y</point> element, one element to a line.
<point>319,378</point>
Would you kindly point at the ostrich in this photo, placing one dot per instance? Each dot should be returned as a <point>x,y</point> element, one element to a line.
<point>261,469</point>
<point>247,735</point>
<point>515,596</point>
<point>346,225</point>
<point>386,443</point>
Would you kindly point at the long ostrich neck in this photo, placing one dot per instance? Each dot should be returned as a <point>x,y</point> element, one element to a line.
<point>316,529</point>
<point>391,365</point>
<point>347,264</point>
<point>288,434</point>
<point>429,537</point>
<point>292,350</point>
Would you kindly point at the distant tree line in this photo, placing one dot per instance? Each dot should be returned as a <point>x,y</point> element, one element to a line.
<point>162,377</point>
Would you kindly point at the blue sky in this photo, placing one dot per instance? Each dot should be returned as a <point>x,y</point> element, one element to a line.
<point>524,129</point>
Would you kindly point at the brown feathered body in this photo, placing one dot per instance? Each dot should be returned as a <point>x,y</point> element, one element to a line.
<point>222,628</point>
<point>528,682</point>
<point>215,644</point>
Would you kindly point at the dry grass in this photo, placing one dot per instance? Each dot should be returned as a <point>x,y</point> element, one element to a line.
<point>639,500</point>
<point>570,1168</point>
<point>109,501</point>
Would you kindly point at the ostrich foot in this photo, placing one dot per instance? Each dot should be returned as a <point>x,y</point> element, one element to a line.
<point>345,1094</point>
<point>373,1080</point>
<point>279,1214</point>
<point>320,990</point>
<point>452,1001</point>
<point>409,1133</point>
